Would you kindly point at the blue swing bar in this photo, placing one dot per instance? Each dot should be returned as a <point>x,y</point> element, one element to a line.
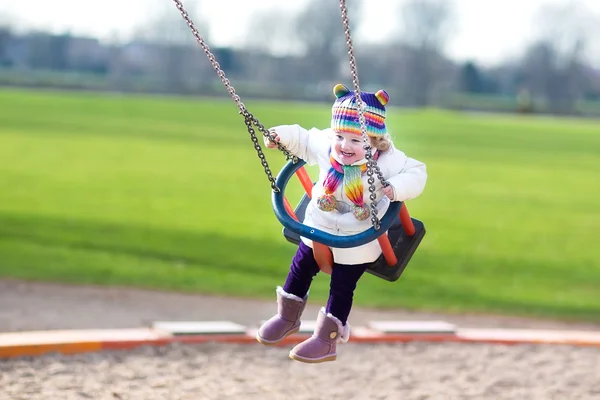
<point>281,208</point>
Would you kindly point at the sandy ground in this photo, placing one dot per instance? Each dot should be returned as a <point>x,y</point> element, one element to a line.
<point>419,371</point>
<point>414,371</point>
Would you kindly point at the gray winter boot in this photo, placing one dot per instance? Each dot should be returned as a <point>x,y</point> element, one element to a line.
<point>287,320</point>
<point>321,346</point>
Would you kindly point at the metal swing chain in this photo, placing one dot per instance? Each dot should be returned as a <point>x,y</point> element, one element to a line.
<point>249,119</point>
<point>371,162</point>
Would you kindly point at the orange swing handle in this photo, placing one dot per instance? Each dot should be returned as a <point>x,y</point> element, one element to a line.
<point>384,241</point>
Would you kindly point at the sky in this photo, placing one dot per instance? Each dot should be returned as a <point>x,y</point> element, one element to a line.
<point>487,31</point>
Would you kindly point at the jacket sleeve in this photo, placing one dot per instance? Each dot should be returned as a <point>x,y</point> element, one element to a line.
<point>410,181</point>
<point>304,144</point>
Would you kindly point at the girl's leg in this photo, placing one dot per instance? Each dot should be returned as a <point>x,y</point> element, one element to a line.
<point>332,327</point>
<point>341,289</point>
<point>302,271</point>
<point>291,299</point>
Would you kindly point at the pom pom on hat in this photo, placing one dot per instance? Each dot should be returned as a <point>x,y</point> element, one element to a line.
<point>340,90</point>
<point>383,97</point>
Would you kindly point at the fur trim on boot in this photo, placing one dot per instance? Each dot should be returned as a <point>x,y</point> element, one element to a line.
<point>344,331</point>
<point>290,296</point>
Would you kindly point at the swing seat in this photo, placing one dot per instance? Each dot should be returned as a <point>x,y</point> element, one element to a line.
<point>403,245</point>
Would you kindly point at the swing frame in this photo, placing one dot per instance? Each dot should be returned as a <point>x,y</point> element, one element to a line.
<point>322,241</point>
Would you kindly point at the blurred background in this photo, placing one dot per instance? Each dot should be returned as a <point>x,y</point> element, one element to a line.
<point>539,55</point>
<point>124,162</point>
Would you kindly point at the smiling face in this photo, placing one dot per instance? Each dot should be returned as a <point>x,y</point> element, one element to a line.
<point>348,147</point>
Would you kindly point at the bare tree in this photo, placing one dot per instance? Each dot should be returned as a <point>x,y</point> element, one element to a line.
<point>424,31</point>
<point>320,33</point>
<point>569,28</point>
<point>166,26</point>
<point>271,32</point>
<point>269,43</point>
<point>427,24</point>
<point>5,39</point>
<point>177,60</point>
<point>545,79</point>
<point>554,65</point>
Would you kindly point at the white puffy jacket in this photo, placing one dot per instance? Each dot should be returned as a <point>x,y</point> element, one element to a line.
<point>406,175</point>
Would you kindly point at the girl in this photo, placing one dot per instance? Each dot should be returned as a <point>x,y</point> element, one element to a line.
<point>339,205</point>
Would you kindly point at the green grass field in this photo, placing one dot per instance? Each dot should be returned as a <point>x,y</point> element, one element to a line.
<point>169,193</point>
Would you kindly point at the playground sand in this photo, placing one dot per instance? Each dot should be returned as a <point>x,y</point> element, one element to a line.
<point>410,371</point>
<point>420,371</point>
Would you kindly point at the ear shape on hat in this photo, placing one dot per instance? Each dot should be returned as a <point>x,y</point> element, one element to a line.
<point>383,97</point>
<point>340,90</point>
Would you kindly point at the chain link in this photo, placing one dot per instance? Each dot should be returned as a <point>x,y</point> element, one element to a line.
<point>263,160</point>
<point>267,133</point>
<point>249,119</point>
<point>372,167</point>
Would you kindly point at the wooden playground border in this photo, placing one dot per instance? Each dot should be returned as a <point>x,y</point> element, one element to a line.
<point>37,343</point>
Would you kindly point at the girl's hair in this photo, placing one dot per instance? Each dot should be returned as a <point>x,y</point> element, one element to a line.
<point>381,143</point>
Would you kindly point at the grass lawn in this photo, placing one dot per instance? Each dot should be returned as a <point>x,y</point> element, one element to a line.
<point>169,193</point>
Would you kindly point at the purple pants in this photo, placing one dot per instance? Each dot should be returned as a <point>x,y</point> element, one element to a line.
<point>341,288</point>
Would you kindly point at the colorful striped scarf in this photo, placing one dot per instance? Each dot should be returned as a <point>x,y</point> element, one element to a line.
<point>350,176</point>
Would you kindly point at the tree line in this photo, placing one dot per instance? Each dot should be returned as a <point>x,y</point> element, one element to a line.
<point>553,74</point>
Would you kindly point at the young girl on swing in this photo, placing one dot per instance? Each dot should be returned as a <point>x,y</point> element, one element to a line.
<point>339,206</point>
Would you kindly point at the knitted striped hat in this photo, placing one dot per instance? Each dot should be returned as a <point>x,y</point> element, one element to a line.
<point>345,111</point>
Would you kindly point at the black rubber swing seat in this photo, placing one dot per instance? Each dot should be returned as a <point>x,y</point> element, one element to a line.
<point>404,246</point>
